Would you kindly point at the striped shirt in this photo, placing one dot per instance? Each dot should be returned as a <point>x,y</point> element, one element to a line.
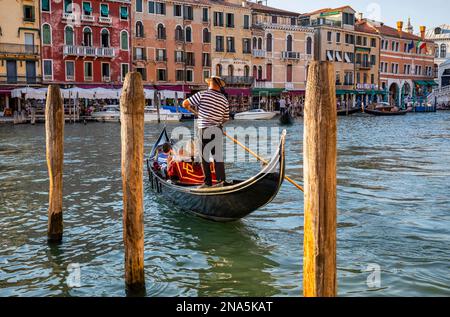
<point>213,108</point>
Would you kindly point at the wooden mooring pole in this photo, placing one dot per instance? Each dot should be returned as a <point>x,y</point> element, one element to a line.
<point>320,154</point>
<point>132,103</point>
<point>54,133</point>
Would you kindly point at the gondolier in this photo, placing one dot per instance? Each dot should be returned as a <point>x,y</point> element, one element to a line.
<point>213,113</point>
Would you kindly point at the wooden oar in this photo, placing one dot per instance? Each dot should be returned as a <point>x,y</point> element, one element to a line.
<point>254,154</point>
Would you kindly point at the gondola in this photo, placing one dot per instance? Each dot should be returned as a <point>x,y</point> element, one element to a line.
<point>350,111</point>
<point>376,112</point>
<point>235,201</point>
<point>286,118</point>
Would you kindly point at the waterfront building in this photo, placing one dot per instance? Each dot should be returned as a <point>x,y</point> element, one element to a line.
<point>85,43</point>
<point>281,51</point>
<point>441,37</point>
<point>172,44</point>
<point>354,47</point>
<point>19,48</point>
<point>231,53</point>
<point>407,63</point>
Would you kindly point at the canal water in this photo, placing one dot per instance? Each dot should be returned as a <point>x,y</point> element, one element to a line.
<point>393,224</point>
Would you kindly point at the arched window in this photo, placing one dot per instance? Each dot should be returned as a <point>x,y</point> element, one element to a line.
<point>260,73</point>
<point>289,43</point>
<point>161,32</point>
<point>230,70</point>
<point>206,36</point>
<point>188,34</point>
<point>139,29</point>
<point>436,51</point>
<point>87,37</point>
<point>269,43</point>
<point>179,33</point>
<point>260,43</point>
<point>219,70</point>
<point>443,50</point>
<point>124,40</point>
<point>247,71</point>
<point>46,34</point>
<point>309,46</point>
<point>105,38</point>
<point>68,35</point>
<point>255,43</point>
<point>255,72</point>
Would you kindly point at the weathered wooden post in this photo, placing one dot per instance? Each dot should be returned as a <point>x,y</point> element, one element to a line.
<point>132,103</point>
<point>319,260</point>
<point>54,132</point>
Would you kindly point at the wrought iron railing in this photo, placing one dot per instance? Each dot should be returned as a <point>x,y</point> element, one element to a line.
<point>20,49</point>
<point>238,80</point>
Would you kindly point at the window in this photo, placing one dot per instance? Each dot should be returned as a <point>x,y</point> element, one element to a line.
<point>162,74</point>
<point>246,22</point>
<point>359,40</point>
<point>205,15</point>
<point>255,72</point>
<point>143,73</point>
<point>139,53</point>
<point>274,19</point>
<point>179,75</point>
<point>88,72</point>
<point>188,13</point>
<point>230,44</point>
<point>46,34</point>
<point>206,74</point>
<point>269,72</point>
<point>293,21</point>
<point>104,36</point>
<point>260,43</point>
<point>124,68</point>
<point>190,59</point>
<point>309,46</point>
<point>70,70</point>
<point>364,41</point>
<point>177,10</point>
<point>289,74</point>
<point>373,60</point>
<point>68,36</point>
<point>260,73</point>
<point>139,29</point>
<point>206,60</point>
<point>87,8</point>
<point>123,13</point>
<point>189,75</point>
<point>138,5</point>
<point>28,13</point>
<point>348,18</point>
<point>151,7</point>
<point>230,20</point>
<point>219,44</point>
<point>179,57</point>
<point>106,75</point>
<point>255,43</point>
<point>330,56</point>
<point>329,36</point>
<point>124,40</point>
<point>161,55</point>
<point>373,42</point>
<point>179,34</point>
<point>48,69</point>
<point>161,32</point>
<point>188,34</point>
<point>68,6</point>
<point>219,70</point>
<point>218,19</point>
<point>348,79</point>
<point>230,70</point>
<point>160,8</point>
<point>289,43</point>
<point>206,36</point>
<point>269,43</point>
<point>247,71</point>
<point>246,46</point>
<point>349,39</point>
<point>87,37</point>
<point>338,37</point>
<point>443,51</point>
<point>45,5</point>
<point>358,78</point>
<point>104,10</point>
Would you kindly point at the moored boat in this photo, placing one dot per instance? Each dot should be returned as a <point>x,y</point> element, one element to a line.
<point>256,114</point>
<point>232,202</point>
<point>384,109</point>
<point>348,112</point>
<point>151,115</point>
<point>286,118</point>
<point>108,114</point>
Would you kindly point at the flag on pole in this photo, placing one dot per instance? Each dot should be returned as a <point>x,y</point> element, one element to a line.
<point>410,46</point>
<point>421,45</point>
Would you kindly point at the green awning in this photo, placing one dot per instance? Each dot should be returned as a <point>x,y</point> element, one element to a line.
<point>87,7</point>
<point>362,49</point>
<point>267,91</point>
<point>341,92</point>
<point>124,13</point>
<point>104,9</point>
<point>430,83</point>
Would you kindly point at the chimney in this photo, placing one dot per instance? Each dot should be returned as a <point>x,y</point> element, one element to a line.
<point>359,16</point>
<point>423,29</point>
<point>400,26</point>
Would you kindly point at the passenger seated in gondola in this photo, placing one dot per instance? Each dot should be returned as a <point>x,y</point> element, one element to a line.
<point>164,158</point>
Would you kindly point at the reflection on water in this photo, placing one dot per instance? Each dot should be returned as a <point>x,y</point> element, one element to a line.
<point>393,201</point>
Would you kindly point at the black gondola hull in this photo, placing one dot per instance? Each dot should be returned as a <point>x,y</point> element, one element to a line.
<point>385,113</point>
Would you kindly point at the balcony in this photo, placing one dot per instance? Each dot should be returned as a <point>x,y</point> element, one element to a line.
<point>87,18</point>
<point>69,16</point>
<point>18,49</point>
<point>327,22</point>
<point>88,51</point>
<point>29,80</point>
<point>105,20</point>
<point>238,80</point>
<point>259,53</point>
<point>289,86</point>
<point>263,84</point>
<point>364,65</point>
<point>291,55</point>
<point>106,79</point>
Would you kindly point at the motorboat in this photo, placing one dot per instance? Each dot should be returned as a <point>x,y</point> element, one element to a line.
<point>107,114</point>
<point>165,115</point>
<point>256,114</point>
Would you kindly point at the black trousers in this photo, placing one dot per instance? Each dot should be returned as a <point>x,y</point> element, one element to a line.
<point>212,146</point>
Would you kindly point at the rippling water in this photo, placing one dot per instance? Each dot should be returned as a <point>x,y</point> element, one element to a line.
<point>393,201</point>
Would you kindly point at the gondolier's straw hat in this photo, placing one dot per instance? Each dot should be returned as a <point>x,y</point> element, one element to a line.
<point>219,81</point>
